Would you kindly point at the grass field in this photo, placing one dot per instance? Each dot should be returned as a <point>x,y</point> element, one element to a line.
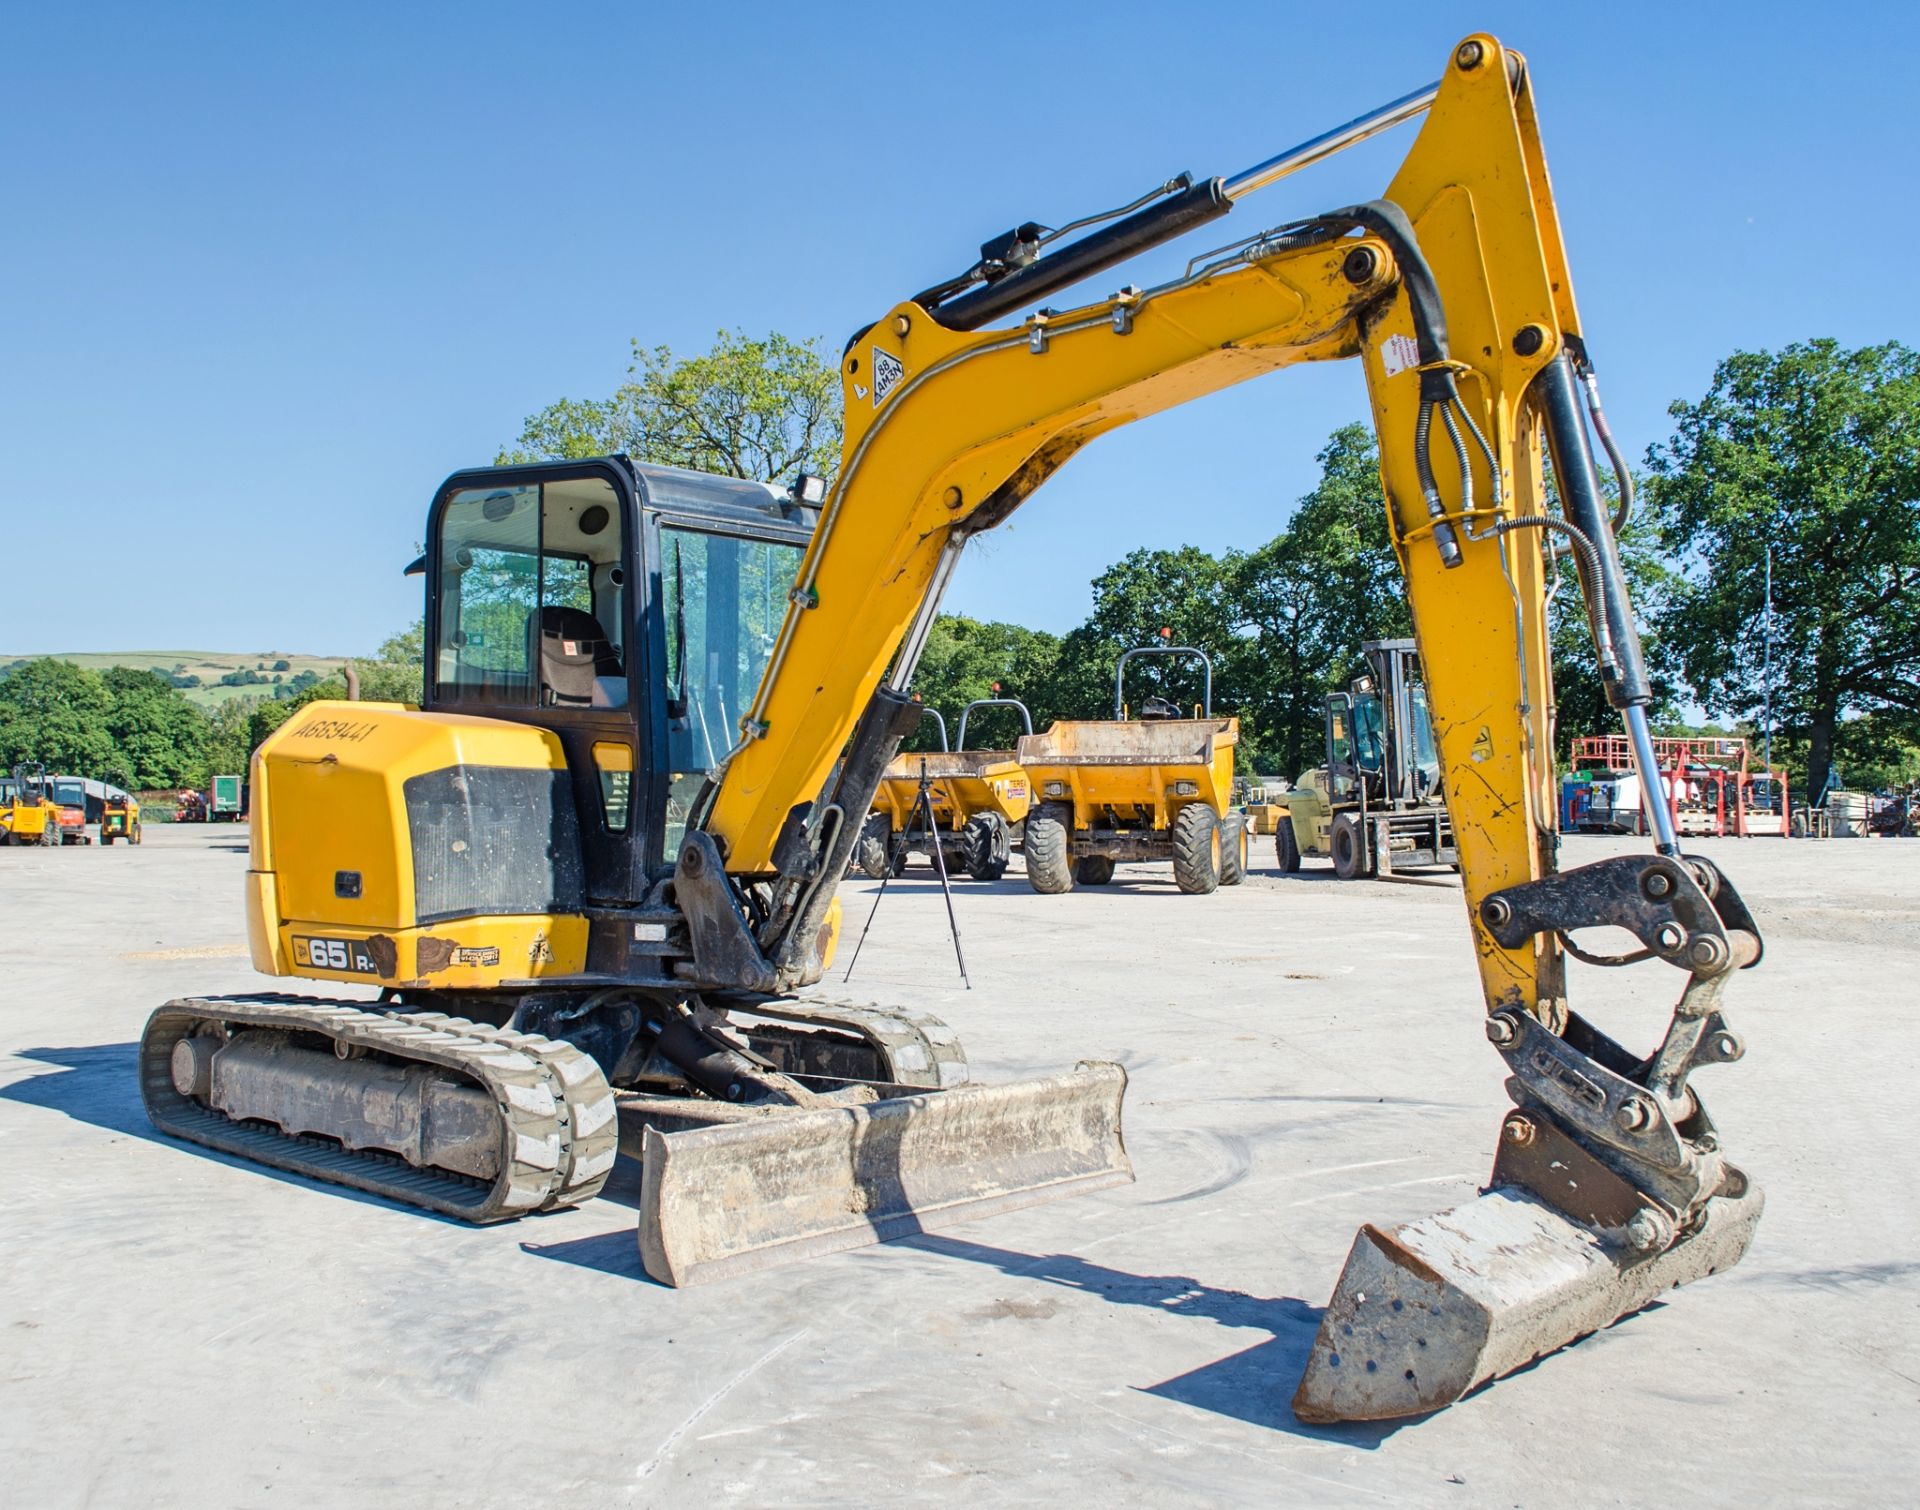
<point>208,665</point>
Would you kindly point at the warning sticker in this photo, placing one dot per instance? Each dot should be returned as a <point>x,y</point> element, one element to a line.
<point>888,369</point>
<point>1398,354</point>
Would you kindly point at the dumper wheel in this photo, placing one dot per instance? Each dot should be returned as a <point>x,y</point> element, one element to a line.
<point>1286,846</point>
<point>1233,849</point>
<point>1196,849</point>
<point>1349,844</point>
<point>1048,869</point>
<point>985,847</point>
<point>871,851</point>
<point>1093,870</point>
<point>899,863</point>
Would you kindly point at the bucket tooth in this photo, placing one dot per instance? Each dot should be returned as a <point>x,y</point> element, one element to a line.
<point>1425,1312</point>
<point>733,1198</point>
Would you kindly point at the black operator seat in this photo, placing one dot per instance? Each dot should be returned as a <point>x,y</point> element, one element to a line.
<point>579,665</point>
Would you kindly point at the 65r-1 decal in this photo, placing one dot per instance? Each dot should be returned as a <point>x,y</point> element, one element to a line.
<point>334,954</point>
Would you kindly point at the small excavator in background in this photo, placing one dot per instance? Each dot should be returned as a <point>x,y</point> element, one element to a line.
<point>1377,805</point>
<point>602,855</point>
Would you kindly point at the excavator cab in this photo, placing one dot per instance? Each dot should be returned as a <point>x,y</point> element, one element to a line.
<point>629,610</point>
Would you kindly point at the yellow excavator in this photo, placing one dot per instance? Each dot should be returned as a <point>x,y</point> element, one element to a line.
<point>602,856</point>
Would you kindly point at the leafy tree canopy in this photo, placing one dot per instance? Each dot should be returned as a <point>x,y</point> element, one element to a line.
<point>1811,454</point>
<point>765,408</point>
<point>55,713</point>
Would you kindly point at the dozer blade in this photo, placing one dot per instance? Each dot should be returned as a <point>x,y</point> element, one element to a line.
<point>730,1199</point>
<point>1427,1311</point>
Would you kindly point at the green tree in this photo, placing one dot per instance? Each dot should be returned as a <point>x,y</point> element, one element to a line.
<point>764,408</point>
<point>1183,592</point>
<point>1580,697</point>
<point>965,659</point>
<point>227,742</point>
<point>54,712</point>
<point>1310,596</point>
<point>159,738</point>
<point>395,674</point>
<point>1812,454</point>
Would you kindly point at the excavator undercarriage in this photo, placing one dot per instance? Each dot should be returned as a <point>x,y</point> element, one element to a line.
<point>822,1124</point>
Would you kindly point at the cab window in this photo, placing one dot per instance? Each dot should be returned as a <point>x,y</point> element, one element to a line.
<point>533,599</point>
<point>725,599</point>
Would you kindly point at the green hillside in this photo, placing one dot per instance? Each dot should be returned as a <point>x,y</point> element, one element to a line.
<point>208,666</point>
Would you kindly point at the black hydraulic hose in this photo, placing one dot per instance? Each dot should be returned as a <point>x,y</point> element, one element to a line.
<point>1564,421</point>
<point>1438,386</point>
<point>1590,385</point>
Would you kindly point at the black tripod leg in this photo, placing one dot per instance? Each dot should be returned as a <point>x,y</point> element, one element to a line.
<point>925,801</point>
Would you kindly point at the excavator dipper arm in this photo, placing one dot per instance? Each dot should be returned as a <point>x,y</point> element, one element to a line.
<point>1454,292</point>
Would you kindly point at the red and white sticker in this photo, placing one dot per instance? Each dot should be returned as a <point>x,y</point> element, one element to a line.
<point>1398,353</point>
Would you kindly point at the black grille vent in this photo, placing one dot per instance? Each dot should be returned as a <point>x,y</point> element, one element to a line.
<point>492,840</point>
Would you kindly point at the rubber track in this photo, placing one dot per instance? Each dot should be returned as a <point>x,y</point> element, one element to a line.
<point>559,1131</point>
<point>917,1047</point>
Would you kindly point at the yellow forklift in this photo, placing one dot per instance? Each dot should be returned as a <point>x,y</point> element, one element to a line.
<point>29,814</point>
<point>1376,806</point>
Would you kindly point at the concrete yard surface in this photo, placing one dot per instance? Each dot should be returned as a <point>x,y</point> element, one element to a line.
<point>178,1328</point>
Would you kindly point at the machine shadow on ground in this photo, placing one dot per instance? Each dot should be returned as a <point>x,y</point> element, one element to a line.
<point>1253,1385</point>
<point>101,1087</point>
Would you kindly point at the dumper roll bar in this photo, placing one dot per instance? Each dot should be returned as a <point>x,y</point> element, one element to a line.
<point>934,714</point>
<point>993,702</point>
<point>1120,671</point>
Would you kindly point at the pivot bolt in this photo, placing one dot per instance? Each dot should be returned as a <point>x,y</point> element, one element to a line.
<point>1658,884</point>
<point>1670,937</point>
<point>1468,55</point>
<point>1634,1115</point>
<point>953,498</point>
<point>1528,339</point>
<point>691,860</point>
<point>901,325</point>
<point>1502,1029</point>
<point>1519,1132</point>
<point>1646,1231</point>
<point>1706,952</point>
<point>1360,265</point>
<point>1498,912</point>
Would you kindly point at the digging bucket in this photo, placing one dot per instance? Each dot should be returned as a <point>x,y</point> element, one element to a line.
<point>1425,1312</point>
<point>729,1199</point>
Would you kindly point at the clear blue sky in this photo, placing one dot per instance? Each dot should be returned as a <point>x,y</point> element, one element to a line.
<point>272,271</point>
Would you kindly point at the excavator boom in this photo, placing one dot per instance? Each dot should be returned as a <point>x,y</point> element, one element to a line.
<point>1454,292</point>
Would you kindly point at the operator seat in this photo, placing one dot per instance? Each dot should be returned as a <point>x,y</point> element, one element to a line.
<point>579,666</point>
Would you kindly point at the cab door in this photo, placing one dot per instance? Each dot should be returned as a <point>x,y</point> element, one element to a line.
<point>532,618</point>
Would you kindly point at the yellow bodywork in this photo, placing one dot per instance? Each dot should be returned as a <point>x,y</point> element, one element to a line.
<point>1142,772</point>
<point>28,822</point>
<point>328,797</point>
<point>961,783</point>
<point>966,425</point>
